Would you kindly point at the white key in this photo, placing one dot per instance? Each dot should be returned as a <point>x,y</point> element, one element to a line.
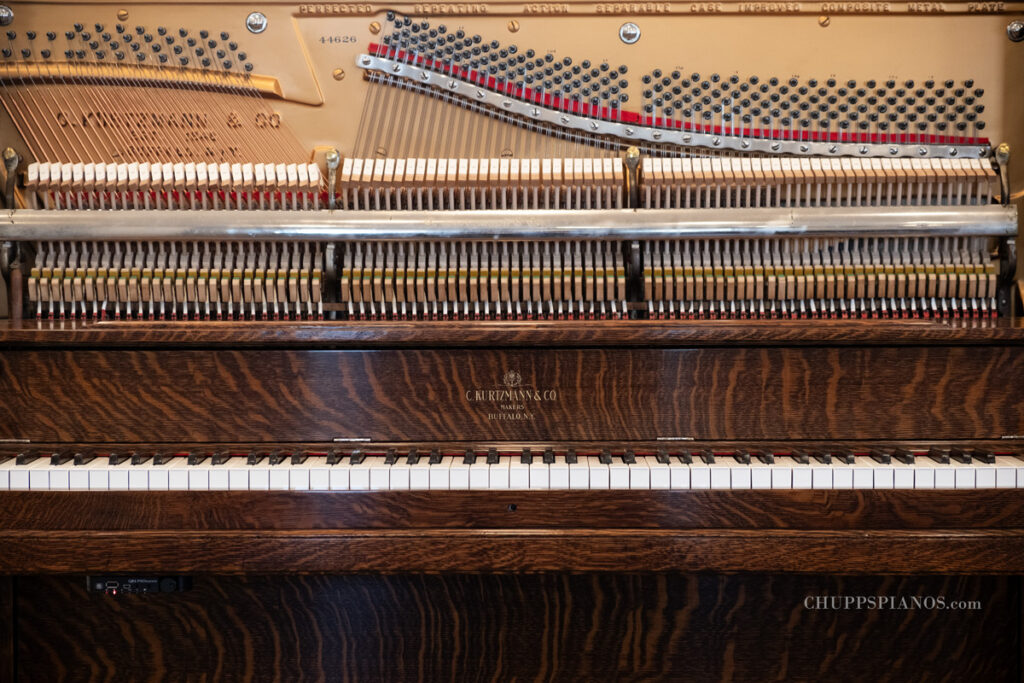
<point>579,473</point>
<point>19,478</point>
<point>782,473</point>
<point>842,475</point>
<point>338,476</point>
<point>60,477</point>
<point>518,473</point>
<point>159,475</point>
<point>700,474</point>
<point>885,476</point>
<point>963,475</point>
<point>558,473</point>
<point>599,478</point>
<point>280,477</point>
<point>719,474</point>
<point>238,473</point>
<point>1006,472</point>
<point>924,473</point>
<point>220,476</point>
<point>500,477</point>
<point>540,476</point>
<point>440,474</point>
<point>119,475</point>
<point>359,474</point>
<point>678,473</point>
<point>902,475</point>
<point>618,474</point>
<point>945,476</point>
<point>741,475</point>
<point>479,474</point>
<point>640,474</point>
<point>99,475</point>
<point>259,476</point>
<point>760,475</point>
<point>39,475</point>
<point>5,474</point>
<point>199,476</point>
<point>821,475</point>
<point>801,474</point>
<point>459,474</point>
<point>298,476</point>
<point>400,473</point>
<point>380,473</point>
<point>863,472</point>
<point>984,475</point>
<point>661,477</point>
<point>319,473</point>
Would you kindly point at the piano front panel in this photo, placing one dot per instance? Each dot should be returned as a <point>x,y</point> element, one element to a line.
<point>124,396</point>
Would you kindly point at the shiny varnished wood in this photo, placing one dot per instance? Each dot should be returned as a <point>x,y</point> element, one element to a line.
<point>411,334</point>
<point>744,393</point>
<point>310,511</point>
<point>526,628</point>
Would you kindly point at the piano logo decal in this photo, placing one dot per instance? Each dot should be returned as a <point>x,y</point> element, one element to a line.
<point>510,400</point>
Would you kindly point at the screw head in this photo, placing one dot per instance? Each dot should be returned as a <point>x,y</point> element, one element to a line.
<point>953,151</point>
<point>1015,31</point>
<point>374,27</point>
<point>629,33</point>
<point>256,22</point>
<point>894,150</point>
<point>776,146</point>
<point>805,148</point>
<point>824,21</point>
<point>365,60</point>
<point>513,26</point>
<point>6,15</point>
<point>922,151</point>
<point>122,15</point>
<point>832,149</point>
<point>863,149</point>
<point>339,74</point>
<point>716,141</point>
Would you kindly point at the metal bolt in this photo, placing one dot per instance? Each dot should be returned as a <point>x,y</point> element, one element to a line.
<point>396,68</point>
<point>513,26</point>
<point>656,135</point>
<point>863,149</point>
<point>593,125</point>
<point>953,151</point>
<point>716,141</point>
<point>744,144</point>
<point>894,150</point>
<point>374,27</point>
<point>9,154</point>
<point>832,149</point>
<point>6,15</point>
<point>479,94</point>
<point>824,21</point>
<point>339,74</point>
<point>805,148</point>
<point>122,15</point>
<point>776,147</point>
<point>256,22</point>
<point>366,61</point>
<point>629,131</point>
<point>1015,31</point>
<point>922,151</point>
<point>534,111</point>
<point>564,119</point>
<point>424,76</point>
<point>332,158</point>
<point>629,33</point>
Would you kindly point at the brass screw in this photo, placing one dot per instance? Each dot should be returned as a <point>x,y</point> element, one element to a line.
<point>824,21</point>
<point>339,74</point>
<point>375,27</point>
<point>122,15</point>
<point>1003,153</point>
<point>9,153</point>
<point>513,26</point>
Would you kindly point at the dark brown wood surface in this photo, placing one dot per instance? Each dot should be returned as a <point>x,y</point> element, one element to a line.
<point>912,392</point>
<point>646,333</point>
<point>820,510</point>
<point>7,636</point>
<point>521,628</point>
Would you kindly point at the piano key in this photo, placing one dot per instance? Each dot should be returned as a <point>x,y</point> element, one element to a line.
<point>500,479</point>
<point>440,474</point>
<point>700,474</point>
<point>742,475</point>
<point>579,473</point>
<point>1006,472</point>
<point>964,474</point>
<point>884,474</point>
<point>618,474</point>
<point>539,474</point>
<point>599,473</point>
<point>458,474</point>
<point>945,476</point>
<point>679,474</point>
<point>259,476</point>
<point>902,473</point>
<point>319,473</point>
<point>380,473</point>
<point>358,472</point>
<point>660,472</point>
<point>479,475</point>
<point>5,473</point>
<point>19,478</point>
<point>220,474</point>
<point>801,471</point>
<point>863,472</point>
<point>338,475</point>
<point>639,473</point>
<point>822,476</point>
<point>518,474</point>
<point>199,476</point>
<point>419,475</point>
<point>719,475</point>
<point>558,473</point>
<point>400,473</point>
<point>760,474</point>
<point>842,471</point>
<point>118,474</point>
<point>298,474</point>
<point>99,475</point>
<point>279,468</point>
<point>238,473</point>
<point>924,473</point>
<point>984,474</point>
<point>782,473</point>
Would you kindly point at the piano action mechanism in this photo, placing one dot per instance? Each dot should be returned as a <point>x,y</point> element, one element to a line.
<point>538,287</point>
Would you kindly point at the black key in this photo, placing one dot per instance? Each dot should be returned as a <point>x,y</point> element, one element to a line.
<point>904,456</point>
<point>26,457</point>
<point>193,459</point>
<point>333,457</point>
<point>526,458</point>
<point>297,458</point>
<point>629,458</point>
<point>391,457</point>
<point>685,458</point>
<point>492,456</point>
<point>84,458</point>
<point>548,457</point>
<point>570,457</point>
<point>800,456</point>
<point>707,456</point>
<point>845,456</point>
<point>662,457</point>
<point>61,457</point>
<point>435,457</point>
<point>605,458</point>
<point>140,458</point>
<point>221,458</point>
<point>277,457</point>
<point>763,457</point>
<point>116,459</point>
<point>357,457</point>
<point>960,456</point>
<point>880,457</point>
<point>985,456</point>
<point>413,458</point>
<point>470,457</point>
<point>822,457</point>
<point>255,459</point>
<point>741,456</point>
<point>5,458</point>
<point>939,456</point>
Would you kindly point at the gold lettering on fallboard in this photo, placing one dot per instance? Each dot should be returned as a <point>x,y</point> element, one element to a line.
<point>510,400</point>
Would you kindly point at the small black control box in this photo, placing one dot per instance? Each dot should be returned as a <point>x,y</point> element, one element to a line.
<point>132,585</point>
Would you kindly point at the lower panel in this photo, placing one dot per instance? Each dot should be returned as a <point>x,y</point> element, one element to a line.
<point>527,628</point>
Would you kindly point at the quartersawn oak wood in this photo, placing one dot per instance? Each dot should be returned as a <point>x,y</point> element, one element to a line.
<point>522,550</point>
<point>527,628</point>
<point>307,511</point>
<point>741,393</point>
<point>413,334</point>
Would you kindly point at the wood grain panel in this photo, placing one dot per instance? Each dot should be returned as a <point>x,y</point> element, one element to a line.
<point>493,550</point>
<point>7,626</point>
<point>520,628</point>
<point>306,511</point>
<point>741,393</point>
